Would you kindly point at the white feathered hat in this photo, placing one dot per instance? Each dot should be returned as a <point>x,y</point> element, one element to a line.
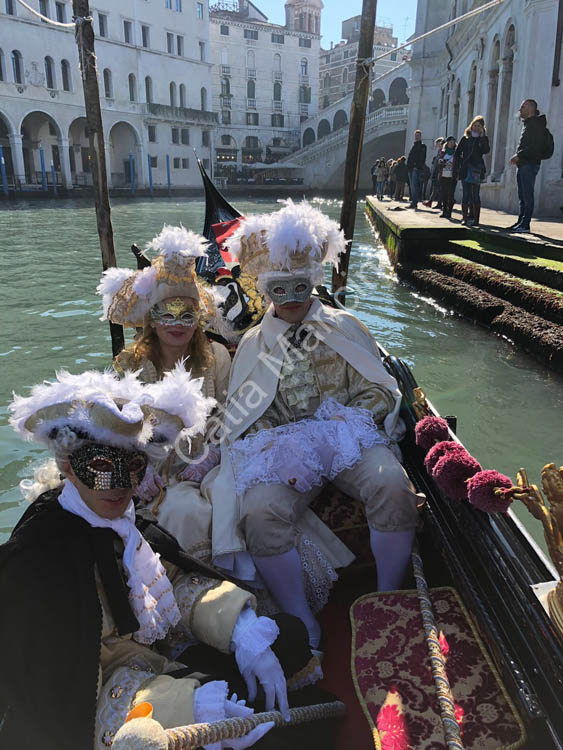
<point>297,239</point>
<point>128,295</point>
<point>101,407</point>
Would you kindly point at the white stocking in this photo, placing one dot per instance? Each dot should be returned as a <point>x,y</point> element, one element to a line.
<point>392,552</point>
<point>283,577</point>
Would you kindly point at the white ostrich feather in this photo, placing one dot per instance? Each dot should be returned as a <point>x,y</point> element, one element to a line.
<point>299,225</point>
<point>145,282</point>
<point>253,224</point>
<point>178,240</point>
<point>79,390</point>
<point>111,282</point>
<point>180,395</point>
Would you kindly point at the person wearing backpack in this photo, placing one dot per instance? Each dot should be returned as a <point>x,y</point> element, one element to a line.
<point>536,144</point>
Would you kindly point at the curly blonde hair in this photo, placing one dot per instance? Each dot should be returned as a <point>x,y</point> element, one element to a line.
<point>147,346</point>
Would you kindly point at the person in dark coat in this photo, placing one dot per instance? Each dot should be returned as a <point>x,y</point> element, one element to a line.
<point>401,178</point>
<point>89,585</point>
<point>416,161</point>
<point>527,159</point>
<point>469,167</point>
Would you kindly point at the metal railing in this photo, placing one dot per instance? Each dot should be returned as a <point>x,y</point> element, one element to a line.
<point>278,75</point>
<point>277,106</point>
<point>225,70</point>
<point>251,103</point>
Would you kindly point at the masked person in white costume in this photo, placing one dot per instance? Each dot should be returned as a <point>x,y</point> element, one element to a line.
<point>171,308</point>
<point>87,596</point>
<point>306,362</point>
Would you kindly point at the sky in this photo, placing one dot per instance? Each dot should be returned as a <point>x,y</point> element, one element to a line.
<point>401,14</point>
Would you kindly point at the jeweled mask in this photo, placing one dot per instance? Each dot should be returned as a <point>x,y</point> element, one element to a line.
<point>104,467</point>
<point>294,289</point>
<point>174,312</point>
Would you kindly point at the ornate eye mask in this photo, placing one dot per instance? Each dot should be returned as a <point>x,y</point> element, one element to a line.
<point>283,291</point>
<point>174,313</point>
<point>103,467</point>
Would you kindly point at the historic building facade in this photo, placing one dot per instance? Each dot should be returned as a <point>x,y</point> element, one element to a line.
<point>337,68</point>
<point>265,79</point>
<point>155,89</point>
<point>488,65</point>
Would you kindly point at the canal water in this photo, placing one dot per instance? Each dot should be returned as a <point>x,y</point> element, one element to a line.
<point>509,408</point>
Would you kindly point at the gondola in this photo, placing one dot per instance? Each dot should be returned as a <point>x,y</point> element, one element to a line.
<point>488,559</point>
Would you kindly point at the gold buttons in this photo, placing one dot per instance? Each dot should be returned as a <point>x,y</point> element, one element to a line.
<point>116,691</point>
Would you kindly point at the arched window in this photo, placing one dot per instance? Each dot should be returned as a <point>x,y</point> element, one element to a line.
<point>304,66</point>
<point>345,76</point>
<point>108,87</point>
<point>17,66</point>
<point>148,90</point>
<point>224,56</point>
<point>172,94</point>
<point>251,89</point>
<point>326,82</point>
<point>277,62</point>
<point>250,59</point>
<point>132,88</point>
<point>182,95</point>
<point>277,91</point>
<point>225,87</point>
<point>203,98</point>
<point>304,95</point>
<point>49,73</point>
<point>2,68</point>
<point>65,75</point>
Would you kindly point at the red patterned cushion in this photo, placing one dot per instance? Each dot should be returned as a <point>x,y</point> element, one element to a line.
<point>394,683</point>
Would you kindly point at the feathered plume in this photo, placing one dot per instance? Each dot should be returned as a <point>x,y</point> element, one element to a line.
<point>178,240</point>
<point>298,226</point>
<point>110,283</point>
<point>179,395</point>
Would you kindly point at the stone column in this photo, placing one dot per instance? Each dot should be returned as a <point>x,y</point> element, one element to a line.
<point>17,158</point>
<point>65,162</point>
<point>141,167</point>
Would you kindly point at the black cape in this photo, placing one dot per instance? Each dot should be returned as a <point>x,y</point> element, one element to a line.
<point>51,622</point>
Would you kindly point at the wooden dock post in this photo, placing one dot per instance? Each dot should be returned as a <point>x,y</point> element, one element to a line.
<point>355,141</point>
<point>88,67</point>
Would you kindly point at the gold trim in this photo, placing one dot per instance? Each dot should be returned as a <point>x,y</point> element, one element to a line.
<point>377,739</point>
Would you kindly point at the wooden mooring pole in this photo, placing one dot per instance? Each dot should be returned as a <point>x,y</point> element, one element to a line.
<point>89,70</point>
<point>355,142</point>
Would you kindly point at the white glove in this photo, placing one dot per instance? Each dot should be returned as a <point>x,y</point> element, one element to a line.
<point>267,670</point>
<point>150,486</point>
<point>234,707</point>
<point>251,641</point>
<point>197,469</point>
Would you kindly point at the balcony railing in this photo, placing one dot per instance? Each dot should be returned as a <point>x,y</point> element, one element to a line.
<point>251,72</point>
<point>226,101</point>
<point>278,76</point>
<point>277,106</point>
<point>225,70</point>
<point>303,109</point>
<point>251,103</point>
<point>304,78</point>
<point>183,114</point>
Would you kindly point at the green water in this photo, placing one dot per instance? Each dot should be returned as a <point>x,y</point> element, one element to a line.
<point>509,408</point>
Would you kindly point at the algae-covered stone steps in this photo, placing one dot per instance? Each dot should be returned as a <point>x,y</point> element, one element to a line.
<point>540,263</point>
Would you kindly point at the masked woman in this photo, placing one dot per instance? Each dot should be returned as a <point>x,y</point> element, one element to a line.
<point>86,595</point>
<point>171,308</point>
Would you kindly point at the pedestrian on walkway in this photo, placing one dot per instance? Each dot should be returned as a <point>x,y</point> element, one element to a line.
<point>435,194</point>
<point>446,176</point>
<point>373,177</point>
<point>401,177</point>
<point>390,187</point>
<point>536,143</point>
<point>469,167</point>
<point>381,174</point>
<point>416,162</point>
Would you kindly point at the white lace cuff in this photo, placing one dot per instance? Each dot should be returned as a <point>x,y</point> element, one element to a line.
<point>209,705</point>
<point>252,635</point>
